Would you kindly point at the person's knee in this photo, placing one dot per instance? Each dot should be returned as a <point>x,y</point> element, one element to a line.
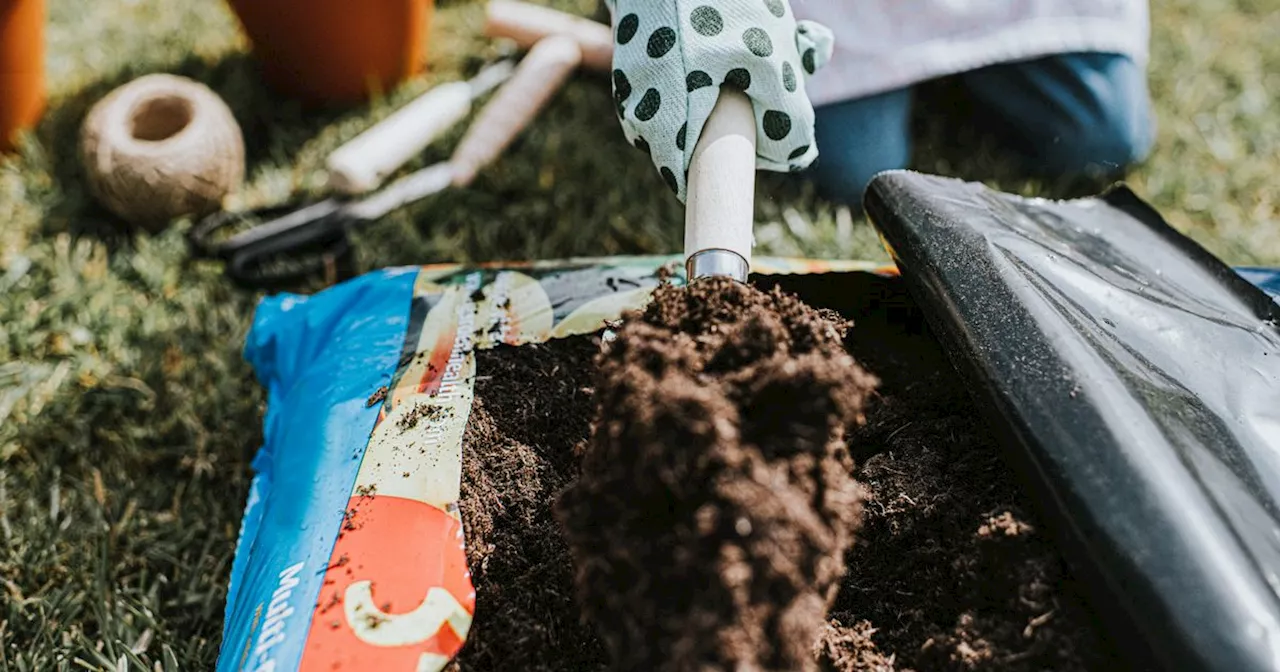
<point>1103,144</point>
<point>842,178</point>
<point>1085,113</point>
<point>1108,127</point>
<point>858,139</point>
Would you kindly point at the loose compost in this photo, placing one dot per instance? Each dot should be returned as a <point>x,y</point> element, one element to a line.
<point>950,569</point>
<point>715,502</point>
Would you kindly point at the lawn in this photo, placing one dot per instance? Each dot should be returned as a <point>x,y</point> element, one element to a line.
<point>128,420</point>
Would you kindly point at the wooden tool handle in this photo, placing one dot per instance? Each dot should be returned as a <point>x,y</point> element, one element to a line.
<point>527,24</point>
<point>364,162</point>
<point>720,201</point>
<point>540,74</point>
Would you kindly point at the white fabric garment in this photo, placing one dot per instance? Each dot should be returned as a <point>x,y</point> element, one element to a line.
<point>882,45</point>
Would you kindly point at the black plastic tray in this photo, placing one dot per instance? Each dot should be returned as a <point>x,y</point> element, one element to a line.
<point>1137,380</point>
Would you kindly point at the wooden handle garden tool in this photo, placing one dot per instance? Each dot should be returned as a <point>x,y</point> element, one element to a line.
<point>720,201</point>
<point>527,24</point>
<point>360,165</point>
<point>540,74</point>
<point>537,78</point>
<point>292,241</point>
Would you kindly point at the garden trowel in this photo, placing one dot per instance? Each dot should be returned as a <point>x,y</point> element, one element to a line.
<point>720,204</point>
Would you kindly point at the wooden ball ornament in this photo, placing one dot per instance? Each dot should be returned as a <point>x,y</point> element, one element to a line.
<point>161,147</point>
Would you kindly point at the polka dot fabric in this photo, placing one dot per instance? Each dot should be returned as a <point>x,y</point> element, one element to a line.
<point>671,56</point>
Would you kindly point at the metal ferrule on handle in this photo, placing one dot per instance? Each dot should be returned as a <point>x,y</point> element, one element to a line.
<point>716,263</point>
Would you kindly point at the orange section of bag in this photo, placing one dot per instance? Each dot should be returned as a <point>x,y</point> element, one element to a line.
<point>397,590</point>
<point>336,51</point>
<point>22,92</point>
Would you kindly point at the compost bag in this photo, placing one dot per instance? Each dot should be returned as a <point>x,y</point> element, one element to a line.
<point>1137,372</point>
<point>351,552</point>
<point>1140,378</point>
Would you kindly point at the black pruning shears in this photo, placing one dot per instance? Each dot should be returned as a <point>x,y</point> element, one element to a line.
<point>289,243</point>
<point>286,244</point>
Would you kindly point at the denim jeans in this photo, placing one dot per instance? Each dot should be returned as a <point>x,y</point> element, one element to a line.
<point>1058,117</point>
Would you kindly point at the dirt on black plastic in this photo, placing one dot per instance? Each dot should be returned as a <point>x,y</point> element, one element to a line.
<point>950,569</point>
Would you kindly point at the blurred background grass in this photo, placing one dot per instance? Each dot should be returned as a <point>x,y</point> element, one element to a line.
<point>127,419</point>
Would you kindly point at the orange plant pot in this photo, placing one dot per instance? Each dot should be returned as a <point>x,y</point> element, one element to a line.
<point>22,87</point>
<point>336,51</point>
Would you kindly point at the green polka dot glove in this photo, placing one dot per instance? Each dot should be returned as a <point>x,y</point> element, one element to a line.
<point>671,56</point>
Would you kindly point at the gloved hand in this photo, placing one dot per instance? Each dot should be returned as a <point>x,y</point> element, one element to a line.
<point>671,56</point>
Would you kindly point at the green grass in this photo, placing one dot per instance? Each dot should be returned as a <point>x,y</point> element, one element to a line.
<point>127,420</point>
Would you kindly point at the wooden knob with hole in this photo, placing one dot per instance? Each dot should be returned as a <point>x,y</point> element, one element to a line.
<point>159,148</point>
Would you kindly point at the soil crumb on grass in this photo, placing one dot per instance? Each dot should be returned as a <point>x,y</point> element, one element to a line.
<point>716,501</point>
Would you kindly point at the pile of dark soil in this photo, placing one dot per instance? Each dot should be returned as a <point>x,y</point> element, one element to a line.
<point>709,524</point>
<point>951,569</point>
<point>533,405</point>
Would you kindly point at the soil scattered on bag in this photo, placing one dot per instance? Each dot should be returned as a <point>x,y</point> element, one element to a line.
<point>378,396</point>
<point>950,570</point>
<point>716,500</point>
<point>420,413</point>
